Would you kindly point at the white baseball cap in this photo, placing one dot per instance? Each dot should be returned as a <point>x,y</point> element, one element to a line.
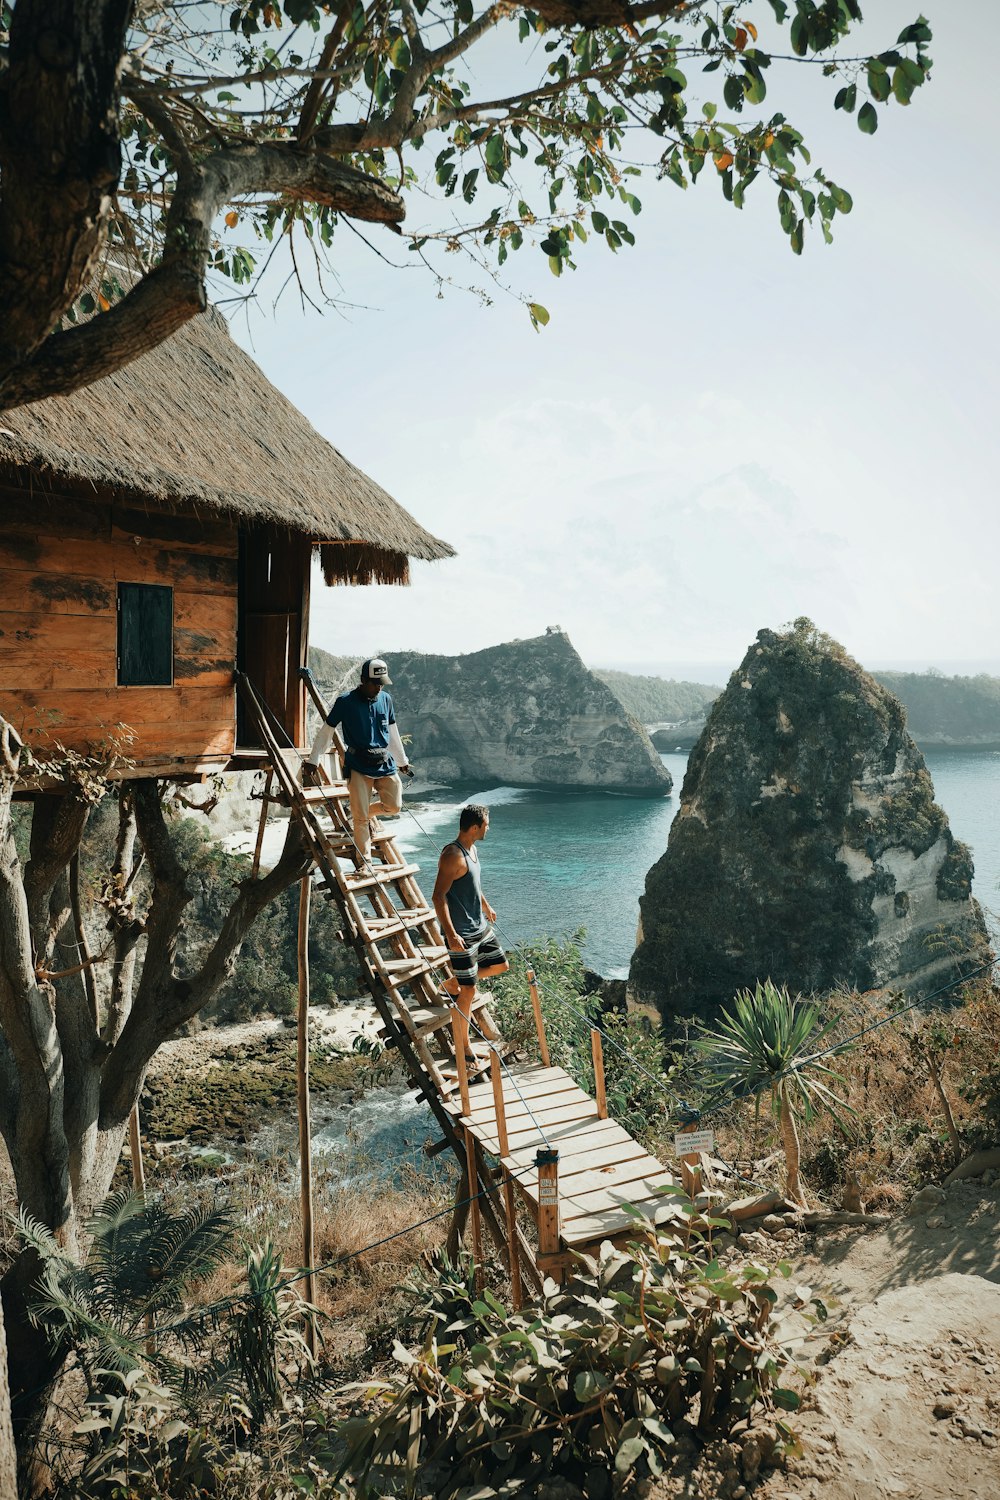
<point>375,670</point>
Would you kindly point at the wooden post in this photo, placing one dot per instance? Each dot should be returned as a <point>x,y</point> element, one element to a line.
<point>460,1034</point>
<point>496,1078</point>
<point>691,1165</point>
<point>305,1126</point>
<point>265,804</point>
<point>536,1006</point>
<point>474,1215</point>
<point>135,1148</point>
<point>513,1260</point>
<point>597,1052</point>
<point>547,1162</point>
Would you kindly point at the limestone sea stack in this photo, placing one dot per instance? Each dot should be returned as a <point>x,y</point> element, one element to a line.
<point>527,713</point>
<point>808,847</point>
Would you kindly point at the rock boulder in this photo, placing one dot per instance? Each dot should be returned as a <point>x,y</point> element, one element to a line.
<point>808,847</point>
<point>527,713</point>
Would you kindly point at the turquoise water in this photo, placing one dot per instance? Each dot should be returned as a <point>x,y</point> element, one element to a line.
<point>555,862</point>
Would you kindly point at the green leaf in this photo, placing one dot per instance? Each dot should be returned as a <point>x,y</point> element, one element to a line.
<point>868,118</point>
<point>628,1454</point>
<point>879,83</point>
<point>588,1383</point>
<point>787,1400</point>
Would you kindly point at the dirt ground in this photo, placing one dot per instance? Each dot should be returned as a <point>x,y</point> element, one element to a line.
<point>906,1399</point>
<point>333,1027</point>
<point>908,1405</point>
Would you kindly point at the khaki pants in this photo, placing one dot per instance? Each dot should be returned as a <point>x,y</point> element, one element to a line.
<point>370,797</point>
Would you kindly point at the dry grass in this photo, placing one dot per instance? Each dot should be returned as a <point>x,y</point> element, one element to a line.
<point>348,1218</point>
<point>896,1134</point>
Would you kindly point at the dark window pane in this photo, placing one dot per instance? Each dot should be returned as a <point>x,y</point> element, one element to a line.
<point>145,635</point>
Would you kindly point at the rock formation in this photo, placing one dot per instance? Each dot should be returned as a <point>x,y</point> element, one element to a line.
<point>808,847</point>
<point>527,713</point>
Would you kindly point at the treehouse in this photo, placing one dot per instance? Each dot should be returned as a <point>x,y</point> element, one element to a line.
<point>156,533</point>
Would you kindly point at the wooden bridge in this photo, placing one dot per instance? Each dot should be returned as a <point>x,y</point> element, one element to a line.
<point>523,1131</point>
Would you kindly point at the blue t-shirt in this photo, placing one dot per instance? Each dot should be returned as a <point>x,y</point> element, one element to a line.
<point>365,724</point>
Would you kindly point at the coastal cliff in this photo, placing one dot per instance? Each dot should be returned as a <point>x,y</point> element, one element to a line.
<point>526,713</point>
<point>808,847</point>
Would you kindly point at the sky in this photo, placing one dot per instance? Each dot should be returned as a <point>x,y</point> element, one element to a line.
<point>712,435</point>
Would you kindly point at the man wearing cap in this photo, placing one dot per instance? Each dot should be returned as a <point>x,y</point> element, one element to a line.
<point>374,747</point>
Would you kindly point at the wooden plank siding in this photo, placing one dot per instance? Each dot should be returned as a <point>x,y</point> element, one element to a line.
<point>62,557</point>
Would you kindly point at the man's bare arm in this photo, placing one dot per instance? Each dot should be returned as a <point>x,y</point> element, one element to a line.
<point>450,869</point>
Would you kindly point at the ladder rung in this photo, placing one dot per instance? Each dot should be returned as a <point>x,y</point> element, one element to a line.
<point>340,843</point>
<point>397,981</point>
<point>377,928</point>
<point>386,876</point>
<point>428,1018</point>
<point>310,794</point>
<point>427,954</point>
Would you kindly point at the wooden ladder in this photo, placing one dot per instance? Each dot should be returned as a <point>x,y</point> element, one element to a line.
<point>394,932</point>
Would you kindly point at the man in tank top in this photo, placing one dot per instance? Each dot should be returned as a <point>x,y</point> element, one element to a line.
<point>464,913</point>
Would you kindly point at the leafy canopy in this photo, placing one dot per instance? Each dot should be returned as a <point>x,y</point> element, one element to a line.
<point>169,129</point>
<point>546,157</point>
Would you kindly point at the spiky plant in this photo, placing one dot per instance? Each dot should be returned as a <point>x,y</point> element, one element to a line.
<point>126,1307</point>
<point>766,1044</point>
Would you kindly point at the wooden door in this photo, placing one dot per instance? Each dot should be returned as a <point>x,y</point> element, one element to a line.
<point>273,628</point>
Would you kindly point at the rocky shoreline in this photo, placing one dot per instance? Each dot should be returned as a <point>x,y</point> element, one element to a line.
<point>224,1083</point>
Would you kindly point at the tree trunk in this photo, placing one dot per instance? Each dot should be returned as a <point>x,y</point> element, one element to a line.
<point>949,1118</point>
<point>8,1456</point>
<point>790,1143</point>
<point>68,1079</point>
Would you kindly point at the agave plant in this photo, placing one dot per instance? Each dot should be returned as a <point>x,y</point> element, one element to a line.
<point>768,1043</point>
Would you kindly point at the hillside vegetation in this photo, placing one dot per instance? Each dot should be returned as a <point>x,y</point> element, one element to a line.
<point>656,699</point>
<point>946,710</point>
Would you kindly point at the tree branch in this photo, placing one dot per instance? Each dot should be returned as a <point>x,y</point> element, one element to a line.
<point>33,1116</point>
<point>164,1000</point>
<point>167,297</point>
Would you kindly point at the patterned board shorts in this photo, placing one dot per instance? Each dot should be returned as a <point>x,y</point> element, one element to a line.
<point>479,953</point>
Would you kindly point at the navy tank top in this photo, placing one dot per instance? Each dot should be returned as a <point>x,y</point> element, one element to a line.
<point>465,898</point>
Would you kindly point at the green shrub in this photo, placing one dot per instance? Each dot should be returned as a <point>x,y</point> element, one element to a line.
<point>603,1372</point>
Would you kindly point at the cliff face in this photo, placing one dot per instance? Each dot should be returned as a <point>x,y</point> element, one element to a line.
<point>528,713</point>
<point>808,847</point>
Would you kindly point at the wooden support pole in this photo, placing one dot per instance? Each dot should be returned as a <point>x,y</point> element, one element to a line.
<point>265,804</point>
<point>536,1006</point>
<point>496,1078</point>
<point>460,1033</point>
<point>513,1261</point>
<point>471,1156</point>
<point>460,1215</point>
<point>597,1052</point>
<point>547,1162</point>
<point>691,1166</point>
<point>135,1149</point>
<point>305,1124</point>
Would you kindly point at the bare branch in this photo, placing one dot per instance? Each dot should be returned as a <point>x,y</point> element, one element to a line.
<point>164,1000</point>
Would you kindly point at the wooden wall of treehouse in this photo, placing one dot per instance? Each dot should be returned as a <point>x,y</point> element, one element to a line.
<point>67,563</point>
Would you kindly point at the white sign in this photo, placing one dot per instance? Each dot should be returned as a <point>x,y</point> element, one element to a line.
<point>687,1142</point>
<point>548,1192</point>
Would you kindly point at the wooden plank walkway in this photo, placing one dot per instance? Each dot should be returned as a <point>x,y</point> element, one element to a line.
<point>601,1167</point>
<point>600,1172</point>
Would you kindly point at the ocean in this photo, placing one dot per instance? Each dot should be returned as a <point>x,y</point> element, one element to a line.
<point>556,862</point>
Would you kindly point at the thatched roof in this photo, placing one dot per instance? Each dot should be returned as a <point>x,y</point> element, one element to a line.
<point>194,423</point>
